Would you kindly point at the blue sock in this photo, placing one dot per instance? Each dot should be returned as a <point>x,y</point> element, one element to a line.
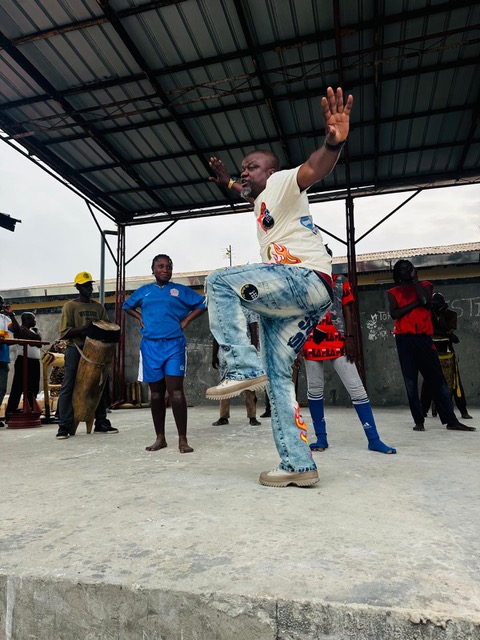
<point>365,413</point>
<point>318,417</point>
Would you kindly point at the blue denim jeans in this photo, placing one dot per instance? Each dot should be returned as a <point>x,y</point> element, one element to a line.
<point>290,301</point>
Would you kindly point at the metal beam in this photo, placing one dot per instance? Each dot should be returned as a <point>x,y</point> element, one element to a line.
<point>285,44</point>
<point>111,131</point>
<point>45,34</point>
<point>137,56</point>
<point>268,95</point>
<point>45,84</point>
<point>63,173</point>
<point>269,140</point>
<point>118,369</point>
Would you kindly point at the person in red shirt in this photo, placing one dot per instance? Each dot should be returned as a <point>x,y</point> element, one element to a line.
<point>333,339</point>
<point>410,303</point>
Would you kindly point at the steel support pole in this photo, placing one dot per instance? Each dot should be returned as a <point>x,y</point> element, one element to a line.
<point>118,373</point>
<point>102,263</point>
<point>352,276</point>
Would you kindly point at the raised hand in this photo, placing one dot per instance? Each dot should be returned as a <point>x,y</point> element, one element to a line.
<point>222,176</point>
<point>337,115</point>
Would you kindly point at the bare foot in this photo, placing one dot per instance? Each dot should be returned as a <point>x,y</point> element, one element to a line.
<point>183,446</point>
<point>160,443</point>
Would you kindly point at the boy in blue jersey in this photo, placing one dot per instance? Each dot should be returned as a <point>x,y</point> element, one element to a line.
<point>164,309</point>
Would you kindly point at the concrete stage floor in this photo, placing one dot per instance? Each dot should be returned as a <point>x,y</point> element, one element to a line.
<point>102,540</point>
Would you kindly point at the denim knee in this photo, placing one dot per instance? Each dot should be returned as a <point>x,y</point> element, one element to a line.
<point>214,276</point>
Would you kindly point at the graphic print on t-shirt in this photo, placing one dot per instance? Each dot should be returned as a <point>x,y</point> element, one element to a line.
<point>265,220</point>
<point>281,255</point>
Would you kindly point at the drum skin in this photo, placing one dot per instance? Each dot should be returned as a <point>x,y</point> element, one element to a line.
<point>104,331</point>
<point>92,374</point>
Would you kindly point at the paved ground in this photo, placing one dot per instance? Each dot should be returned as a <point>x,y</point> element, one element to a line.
<point>101,539</point>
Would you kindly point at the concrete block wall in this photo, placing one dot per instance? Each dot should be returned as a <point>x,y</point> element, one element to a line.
<point>384,379</point>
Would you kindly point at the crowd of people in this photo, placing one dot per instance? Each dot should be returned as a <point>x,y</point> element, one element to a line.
<point>290,300</point>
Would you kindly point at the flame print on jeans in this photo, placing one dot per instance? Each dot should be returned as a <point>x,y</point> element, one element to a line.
<point>281,255</point>
<point>300,424</point>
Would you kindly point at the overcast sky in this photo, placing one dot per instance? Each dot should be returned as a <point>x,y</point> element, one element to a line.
<point>57,237</point>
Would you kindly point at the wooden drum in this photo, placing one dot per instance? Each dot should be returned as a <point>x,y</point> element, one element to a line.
<point>92,372</point>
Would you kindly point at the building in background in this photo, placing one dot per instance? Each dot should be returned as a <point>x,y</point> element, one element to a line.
<point>454,270</point>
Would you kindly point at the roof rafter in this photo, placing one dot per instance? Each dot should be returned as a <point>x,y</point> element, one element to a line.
<point>245,53</point>
<point>153,90</point>
<point>29,69</point>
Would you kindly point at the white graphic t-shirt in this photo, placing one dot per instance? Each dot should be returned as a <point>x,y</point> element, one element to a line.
<point>285,228</point>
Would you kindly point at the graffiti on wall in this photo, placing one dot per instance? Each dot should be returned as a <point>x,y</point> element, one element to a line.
<point>377,330</point>
<point>466,307</point>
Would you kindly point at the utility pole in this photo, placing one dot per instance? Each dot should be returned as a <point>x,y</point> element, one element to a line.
<point>228,253</point>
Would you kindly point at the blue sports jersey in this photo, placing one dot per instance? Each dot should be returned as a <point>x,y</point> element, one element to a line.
<point>163,308</point>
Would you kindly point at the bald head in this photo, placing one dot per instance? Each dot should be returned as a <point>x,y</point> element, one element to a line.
<point>257,167</point>
<point>272,160</point>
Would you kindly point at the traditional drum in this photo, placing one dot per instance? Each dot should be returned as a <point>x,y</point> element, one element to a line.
<point>442,345</point>
<point>92,372</point>
<point>50,360</point>
<point>447,360</point>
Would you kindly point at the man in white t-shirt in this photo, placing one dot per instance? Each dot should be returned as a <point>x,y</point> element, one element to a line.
<point>290,291</point>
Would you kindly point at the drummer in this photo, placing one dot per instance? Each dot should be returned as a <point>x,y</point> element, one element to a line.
<point>77,316</point>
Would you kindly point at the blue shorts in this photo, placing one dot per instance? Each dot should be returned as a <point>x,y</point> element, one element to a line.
<point>160,358</point>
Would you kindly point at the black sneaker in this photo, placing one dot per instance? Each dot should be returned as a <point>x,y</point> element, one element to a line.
<point>254,422</point>
<point>266,414</point>
<point>2,424</point>
<point>105,427</point>
<point>219,422</point>
<point>62,433</point>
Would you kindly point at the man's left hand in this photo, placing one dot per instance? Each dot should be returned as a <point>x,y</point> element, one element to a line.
<point>336,115</point>
<point>222,176</point>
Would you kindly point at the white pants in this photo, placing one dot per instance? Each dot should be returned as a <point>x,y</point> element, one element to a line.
<point>347,372</point>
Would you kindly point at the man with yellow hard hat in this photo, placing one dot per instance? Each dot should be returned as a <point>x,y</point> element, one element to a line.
<point>77,316</point>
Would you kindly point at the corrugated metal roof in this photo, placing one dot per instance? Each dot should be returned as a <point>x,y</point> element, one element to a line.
<point>127,99</point>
